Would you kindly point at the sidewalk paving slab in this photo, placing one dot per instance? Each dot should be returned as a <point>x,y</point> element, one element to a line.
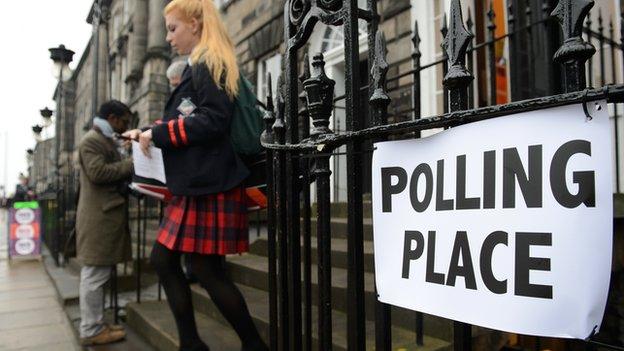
<point>31,317</point>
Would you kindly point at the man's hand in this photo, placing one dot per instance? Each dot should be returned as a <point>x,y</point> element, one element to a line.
<point>145,139</point>
<point>132,134</point>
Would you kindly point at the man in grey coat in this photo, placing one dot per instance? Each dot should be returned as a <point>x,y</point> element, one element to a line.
<point>102,232</point>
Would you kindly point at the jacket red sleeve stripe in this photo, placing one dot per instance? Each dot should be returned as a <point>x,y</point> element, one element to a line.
<point>172,135</point>
<point>182,131</point>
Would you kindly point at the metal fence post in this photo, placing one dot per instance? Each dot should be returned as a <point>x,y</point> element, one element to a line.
<point>616,136</point>
<point>379,101</point>
<point>306,213</point>
<point>355,228</point>
<point>457,81</point>
<point>492,53</point>
<point>319,93</point>
<point>575,51</point>
<point>279,130</point>
<point>293,220</point>
<point>416,89</point>
<point>268,137</point>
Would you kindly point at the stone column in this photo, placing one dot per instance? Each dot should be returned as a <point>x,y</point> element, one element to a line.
<point>157,60</point>
<point>103,58</point>
<point>137,45</point>
<point>156,34</point>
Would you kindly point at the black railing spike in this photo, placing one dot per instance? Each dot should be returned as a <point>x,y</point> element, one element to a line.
<point>380,99</point>
<point>444,29</point>
<point>492,52</point>
<point>455,44</point>
<point>575,51</point>
<point>491,17</point>
<point>611,31</point>
<point>279,127</point>
<point>320,96</point>
<point>269,114</point>
<point>511,18</point>
<point>269,102</point>
<point>546,9</point>
<point>600,22</point>
<point>305,75</point>
<point>469,22</point>
<point>416,41</point>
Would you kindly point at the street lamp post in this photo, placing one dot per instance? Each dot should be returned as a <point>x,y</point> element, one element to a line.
<point>46,114</point>
<point>61,57</point>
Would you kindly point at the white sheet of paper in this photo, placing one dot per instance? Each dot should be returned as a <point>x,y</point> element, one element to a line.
<point>153,167</point>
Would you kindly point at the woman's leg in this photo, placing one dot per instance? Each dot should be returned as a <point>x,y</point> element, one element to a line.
<point>167,266</point>
<point>210,272</point>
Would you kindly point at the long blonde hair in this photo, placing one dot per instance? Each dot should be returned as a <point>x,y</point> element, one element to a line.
<point>215,48</point>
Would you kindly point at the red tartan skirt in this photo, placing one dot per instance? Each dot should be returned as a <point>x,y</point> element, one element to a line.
<point>206,224</point>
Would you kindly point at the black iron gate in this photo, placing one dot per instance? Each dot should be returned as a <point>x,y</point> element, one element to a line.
<point>300,152</point>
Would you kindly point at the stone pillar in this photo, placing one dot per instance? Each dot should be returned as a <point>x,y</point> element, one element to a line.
<point>103,60</point>
<point>156,34</point>
<point>137,46</point>
<point>157,60</point>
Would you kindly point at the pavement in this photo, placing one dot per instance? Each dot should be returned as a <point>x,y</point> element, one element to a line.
<point>31,316</point>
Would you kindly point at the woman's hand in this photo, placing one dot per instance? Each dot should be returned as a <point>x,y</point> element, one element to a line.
<point>132,134</point>
<point>145,139</point>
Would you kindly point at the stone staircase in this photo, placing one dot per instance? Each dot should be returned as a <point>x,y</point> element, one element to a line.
<point>154,322</point>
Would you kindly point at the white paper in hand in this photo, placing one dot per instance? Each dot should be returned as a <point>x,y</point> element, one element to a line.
<point>145,167</point>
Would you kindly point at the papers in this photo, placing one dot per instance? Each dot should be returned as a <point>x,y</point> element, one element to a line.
<point>145,167</point>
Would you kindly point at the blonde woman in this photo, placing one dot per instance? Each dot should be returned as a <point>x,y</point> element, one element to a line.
<point>207,217</point>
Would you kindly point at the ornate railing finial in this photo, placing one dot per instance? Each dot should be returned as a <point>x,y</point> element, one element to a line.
<point>469,22</point>
<point>305,75</point>
<point>416,41</point>
<point>320,96</point>
<point>491,18</point>
<point>279,127</point>
<point>575,51</point>
<point>511,16</point>
<point>600,22</point>
<point>269,114</point>
<point>380,99</point>
<point>455,45</point>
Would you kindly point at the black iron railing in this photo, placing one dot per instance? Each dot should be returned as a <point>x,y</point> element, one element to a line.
<point>292,149</point>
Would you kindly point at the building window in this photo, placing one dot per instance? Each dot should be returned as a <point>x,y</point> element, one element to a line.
<point>273,65</point>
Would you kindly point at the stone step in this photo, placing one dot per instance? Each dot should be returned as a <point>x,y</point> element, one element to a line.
<point>126,279</point>
<point>252,271</point>
<point>133,340</point>
<point>341,209</point>
<point>258,304</point>
<point>339,228</point>
<point>154,322</point>
<point>339,252</point>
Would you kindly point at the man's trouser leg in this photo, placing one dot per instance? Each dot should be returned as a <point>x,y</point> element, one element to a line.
<point>92,280</point>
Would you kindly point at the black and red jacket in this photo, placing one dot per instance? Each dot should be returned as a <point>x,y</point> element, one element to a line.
<point>199,158</point>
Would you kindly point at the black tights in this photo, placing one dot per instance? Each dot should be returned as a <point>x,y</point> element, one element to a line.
<point>210,272</point>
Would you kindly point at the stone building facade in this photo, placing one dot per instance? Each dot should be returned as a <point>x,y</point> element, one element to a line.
<point>128,44</point>
<point>133,56</point>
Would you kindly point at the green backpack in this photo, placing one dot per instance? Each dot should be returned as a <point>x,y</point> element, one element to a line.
<point>247,122</point>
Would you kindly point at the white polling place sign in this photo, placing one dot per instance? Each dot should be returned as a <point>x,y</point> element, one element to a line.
<point>505,223</point>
